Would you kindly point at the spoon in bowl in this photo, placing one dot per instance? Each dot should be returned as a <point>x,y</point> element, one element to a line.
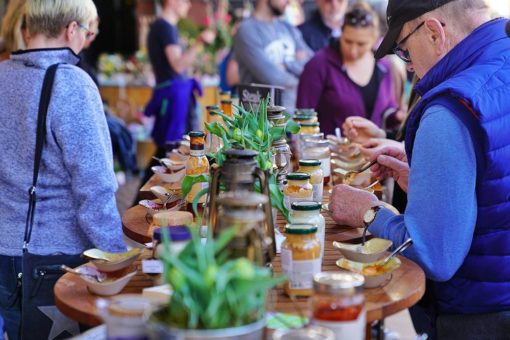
<point>400,249</point>
<point>98,276</point>
<point>351,175</point>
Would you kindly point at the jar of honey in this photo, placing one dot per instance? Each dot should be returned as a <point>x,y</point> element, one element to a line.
<point>313,168</point>
<point>297,189</point>
<point>338,303</point>
<point>301,258</point>
<point>197,164</point>
<point>310,128</point>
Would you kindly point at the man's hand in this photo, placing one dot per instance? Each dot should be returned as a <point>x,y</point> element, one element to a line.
<point>374,146</point>
<point>207,37</point>
<point>360,130</point>
<point>392,162</point>
<point>348,205</point>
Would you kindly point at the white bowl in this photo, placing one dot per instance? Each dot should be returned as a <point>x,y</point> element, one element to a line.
<point>162,192</point>
<point>152,206</point>
<point>112,286</point>
<point>115,262</point>
<point>372,280</point>
<point>361,179</point>
<point>164,176</point>
<point>373,250</point>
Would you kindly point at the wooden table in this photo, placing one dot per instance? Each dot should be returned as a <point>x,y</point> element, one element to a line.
<point>404,290</point>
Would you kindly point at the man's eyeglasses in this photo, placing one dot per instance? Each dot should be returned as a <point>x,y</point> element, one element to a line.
<point>359,18</point>
<point>404,54</point>
<point>89,33</point>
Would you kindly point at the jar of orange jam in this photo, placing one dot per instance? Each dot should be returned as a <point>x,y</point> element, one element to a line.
<point>297,189</point>
<point>197,164</point>
<point>338,303</point>
<point>301,258</point>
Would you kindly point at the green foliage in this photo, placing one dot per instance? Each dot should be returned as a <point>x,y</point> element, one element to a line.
<point>211,291</point>
<point>249,129</point>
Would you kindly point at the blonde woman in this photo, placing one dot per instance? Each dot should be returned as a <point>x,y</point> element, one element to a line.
<point>13,32</point>
<point>76,207</point>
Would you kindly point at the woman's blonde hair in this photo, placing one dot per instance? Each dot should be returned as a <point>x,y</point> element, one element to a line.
<point>361,14</point>
<point>50,17</point>
<point>13,25</point>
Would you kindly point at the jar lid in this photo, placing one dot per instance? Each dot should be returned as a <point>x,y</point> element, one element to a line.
<point>275,109</point>
<point>215,112</point>
<point>224,93</point>
<point>302,117</point>
<point>196,134</point>
<point>338,283</point>
<point>317,142</point>
<point>234,95</point>
<point>309,124</point>
<point>300,229</point>
<point>305,206</point>
<point>308,333</point>
<point>241,153</point>
<point>212,107</point>
<point>226,101</point>
<point>177,233</point>
<point>309,162</point>
<point>298,176</point>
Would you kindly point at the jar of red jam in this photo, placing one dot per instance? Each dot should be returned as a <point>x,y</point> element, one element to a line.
<point>338,303</point>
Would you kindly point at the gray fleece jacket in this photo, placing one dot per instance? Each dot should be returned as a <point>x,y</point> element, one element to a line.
<point>76,206</point>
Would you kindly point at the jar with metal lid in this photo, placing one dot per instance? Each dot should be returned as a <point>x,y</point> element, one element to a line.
<point>313,168</point>
<point>319,149</point>
<point>308,333</point>
<point>301,258</point>
<point>310,128</point>
<point>297,188</point>
<point>179,237</point>
<point>213,142</point>
<point>282,159</point>
<point>338,303</point>
<point>309,213</point>
<point>226,107</point>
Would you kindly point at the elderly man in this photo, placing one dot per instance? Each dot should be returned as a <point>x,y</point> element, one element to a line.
<point>455,167</point>
<point>324,24</point>
<point>270,51</point>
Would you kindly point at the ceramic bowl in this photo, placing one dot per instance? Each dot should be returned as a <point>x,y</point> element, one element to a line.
<point>162,192</point>
<point>111,262</point>
<point>361,180</point>
<point>113,285</point>
<point>152,206</point>
<point>373,250</point>
<point>167,177</point>
<point>374,273</point>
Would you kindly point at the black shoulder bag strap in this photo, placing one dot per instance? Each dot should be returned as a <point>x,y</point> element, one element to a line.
<point>44,102</point>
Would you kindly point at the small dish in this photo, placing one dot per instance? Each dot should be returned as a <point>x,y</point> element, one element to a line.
<point>164,194</point>
<point>152,206</point>
<point>111,262</point>
<point>374,273</point>
<point>113,284</point>
<point>361,180</point>
<point>373,250</point>
<point>166,176</point>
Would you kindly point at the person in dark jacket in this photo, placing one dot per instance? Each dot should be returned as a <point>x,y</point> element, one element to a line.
<point>324,24</point>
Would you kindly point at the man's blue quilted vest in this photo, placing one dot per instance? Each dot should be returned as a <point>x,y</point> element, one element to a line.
<point>473,81</point>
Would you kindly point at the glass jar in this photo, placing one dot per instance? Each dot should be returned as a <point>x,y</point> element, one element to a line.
<point>309,213</point>
<point>226,107</point>
<point>313,168</point>
<point>214,143</point>
<point>225,95</point>
<point>338,303</point>
<point>235,99</point>
<point>281,156</point>
<point>319,149</point>
<point>297,188</point>
<point>179,238</point>
<point>197,164</point>
<point>301,258</point>
<point>310,128</point>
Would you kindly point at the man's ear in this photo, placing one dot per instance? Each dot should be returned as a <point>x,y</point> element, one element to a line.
<point>436,35</point>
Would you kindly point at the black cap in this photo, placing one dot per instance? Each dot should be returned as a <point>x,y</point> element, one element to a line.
<point>399,12</point>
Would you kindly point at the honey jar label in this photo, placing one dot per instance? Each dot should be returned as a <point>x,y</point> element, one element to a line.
<point>352,330</point>
<point>300,273</point>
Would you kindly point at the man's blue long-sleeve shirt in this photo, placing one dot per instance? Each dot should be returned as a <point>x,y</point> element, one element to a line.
<point>442,209</point>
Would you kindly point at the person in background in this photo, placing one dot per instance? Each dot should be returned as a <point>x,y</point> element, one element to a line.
<point>270,51</point>
<point>13,32</point>
<point>454,168</point>
<point>173,102</point>
<point>344,79</point>
<point>76,208</point>
<point>229,68</point>
<point>324,24</point>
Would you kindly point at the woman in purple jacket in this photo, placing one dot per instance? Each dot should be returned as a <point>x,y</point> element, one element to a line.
<point>345,80</point>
